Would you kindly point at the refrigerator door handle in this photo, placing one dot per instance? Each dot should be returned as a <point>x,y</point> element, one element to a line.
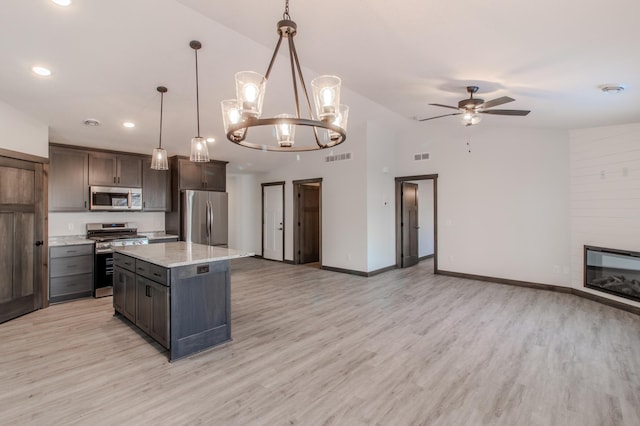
<point>210,223</point>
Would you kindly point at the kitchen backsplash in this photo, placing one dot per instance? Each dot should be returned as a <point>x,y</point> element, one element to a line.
<point>61,224</point>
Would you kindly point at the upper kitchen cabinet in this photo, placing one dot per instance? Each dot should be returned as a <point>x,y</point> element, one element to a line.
<point>211,176</point>
<point>68,179</point>
<point>115,170</point>
<point>155,188</point>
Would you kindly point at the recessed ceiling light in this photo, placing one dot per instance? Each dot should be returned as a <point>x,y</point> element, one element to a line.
<point>612,88</point>
<point>42,71</point>
<point>129,124</point>
<point>91,122</point>
<point>211,140</point>
<point>62,2</point>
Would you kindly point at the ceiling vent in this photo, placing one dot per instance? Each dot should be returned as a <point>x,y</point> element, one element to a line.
<point>337,157</point>
<point>422,156</point>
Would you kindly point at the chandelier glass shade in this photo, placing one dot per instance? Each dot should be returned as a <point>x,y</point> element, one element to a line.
<point>159,157</point>
<point>199,149</point>
<point>328,124</point>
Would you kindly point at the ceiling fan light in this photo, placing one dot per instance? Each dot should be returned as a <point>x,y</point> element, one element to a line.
<point>470,118</point>
<point>250,89</point>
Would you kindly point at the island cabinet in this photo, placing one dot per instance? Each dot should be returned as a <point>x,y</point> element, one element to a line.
<point>68,180</point>
<point>181,294</point>
<point>115,170</point>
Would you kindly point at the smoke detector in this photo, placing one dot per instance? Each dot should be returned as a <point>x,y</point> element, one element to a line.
<point>91,122</point>
<point>612,88</point>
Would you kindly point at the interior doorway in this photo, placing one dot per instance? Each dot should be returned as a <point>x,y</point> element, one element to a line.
<point>273,221</point>
<point>416,220</point>
<point>307,220</point>
<point>22,227</point>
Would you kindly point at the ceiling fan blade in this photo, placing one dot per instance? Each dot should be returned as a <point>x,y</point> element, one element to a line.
<point>444,106</point>
<point>519,112</point>
<point>439,116</point>
<point>498,101</point>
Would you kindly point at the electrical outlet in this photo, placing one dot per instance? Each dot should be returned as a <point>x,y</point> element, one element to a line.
<point>70,226</point>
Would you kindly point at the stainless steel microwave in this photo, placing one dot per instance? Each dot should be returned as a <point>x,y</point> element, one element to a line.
<point>114,198</point>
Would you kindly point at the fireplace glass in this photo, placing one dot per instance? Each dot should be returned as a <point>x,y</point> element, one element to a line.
<point>612,271</point>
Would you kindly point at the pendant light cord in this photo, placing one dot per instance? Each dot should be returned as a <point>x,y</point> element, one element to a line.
<point>286,15</point>
<point>161,103</point>
<point>197,95</point>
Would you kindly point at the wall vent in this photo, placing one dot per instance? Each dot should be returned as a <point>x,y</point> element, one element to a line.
<point>337,157</point>
<point>422,156</point>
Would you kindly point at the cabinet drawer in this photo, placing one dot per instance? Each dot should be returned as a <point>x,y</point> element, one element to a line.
<point>124,261</point>
<point>69,285</point>
<point>64,266</point>
<point>153,272</point>
<point>65,251</point>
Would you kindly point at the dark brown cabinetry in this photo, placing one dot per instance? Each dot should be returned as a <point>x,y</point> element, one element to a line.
<point>155,188</point>
<point>124,286</point>
<point>70,272</point>
<point>115,170</point>
<point>152,309</point>
<point>68,179</point>
<point>211,176</point>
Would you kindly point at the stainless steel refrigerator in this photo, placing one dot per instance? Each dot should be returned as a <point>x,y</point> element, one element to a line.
<point>205,217</point>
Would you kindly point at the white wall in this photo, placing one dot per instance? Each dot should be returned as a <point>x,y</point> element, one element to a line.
<point>605,194</point>
<point>21,133</point>
<point>380,200</point>
<point>245,212</point>
<point>503,208</point>
<point>61,224</point>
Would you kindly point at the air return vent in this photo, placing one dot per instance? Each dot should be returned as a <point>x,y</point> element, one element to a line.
<point>337,157</point>
<point>422,156</point>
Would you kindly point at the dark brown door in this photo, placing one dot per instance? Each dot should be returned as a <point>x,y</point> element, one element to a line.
<point>409,224</point>
<point>308,224</point>
<point>21,228</point>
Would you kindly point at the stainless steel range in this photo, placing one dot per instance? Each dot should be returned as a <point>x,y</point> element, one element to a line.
<point>107,236</point>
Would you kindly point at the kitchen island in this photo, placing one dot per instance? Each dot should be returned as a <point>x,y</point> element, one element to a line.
<point>178,293</point>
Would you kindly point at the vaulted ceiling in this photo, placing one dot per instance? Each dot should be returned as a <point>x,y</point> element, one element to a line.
<point>107,58</point>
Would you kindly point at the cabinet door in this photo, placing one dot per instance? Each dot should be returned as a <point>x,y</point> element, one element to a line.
<point>129,171</point>
<point>190,175</point>
<point>119,283</point>
<point>143,304</point>
<point>160,314</point>
<point>155,188</point>
<point>68,180</point>
<point>215,178</point>
<point>129,309</point>
<point>102,169</point>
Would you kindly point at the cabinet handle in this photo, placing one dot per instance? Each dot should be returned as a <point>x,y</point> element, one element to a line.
<point>157,274</point>
<point>118,179</point>
<point>85,204</point>
<point>72,266</point>
<point>71,251</point>
<point>114,179</point>
<point>147,291</point>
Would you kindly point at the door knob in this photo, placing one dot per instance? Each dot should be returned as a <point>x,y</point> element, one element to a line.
<point>39,243</point>
<point>279,229</point>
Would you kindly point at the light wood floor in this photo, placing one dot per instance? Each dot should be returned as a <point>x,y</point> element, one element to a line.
<point>317,347</point>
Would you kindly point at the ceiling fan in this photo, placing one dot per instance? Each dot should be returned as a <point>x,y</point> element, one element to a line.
<point>472,107</point>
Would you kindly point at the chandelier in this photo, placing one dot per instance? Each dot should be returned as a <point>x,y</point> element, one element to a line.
<point>329,124</point>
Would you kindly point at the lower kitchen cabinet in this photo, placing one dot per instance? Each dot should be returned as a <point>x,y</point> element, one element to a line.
<point>70,272</point>
<point>152,309</point>
<point>124,293</point>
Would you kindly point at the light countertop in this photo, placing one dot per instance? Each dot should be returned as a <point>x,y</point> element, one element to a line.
<point>171,255</point>
<point>157,235</point>
<point>69,240</point>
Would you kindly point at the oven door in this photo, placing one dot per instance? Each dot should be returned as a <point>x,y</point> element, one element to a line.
<point>103,274</point>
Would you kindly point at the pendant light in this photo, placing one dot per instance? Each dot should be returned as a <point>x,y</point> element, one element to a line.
<point>329,124</point>
<point>159,156</point>
<point>199,150</point>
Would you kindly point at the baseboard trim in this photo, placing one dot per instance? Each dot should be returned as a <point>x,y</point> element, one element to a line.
<point>429,256</point>
<point>358,273</point>
<point>538,286</point>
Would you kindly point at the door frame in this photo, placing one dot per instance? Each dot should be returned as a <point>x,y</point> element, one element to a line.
<point>398,184</point>
<point>280,183</point>
<point>296,244</point>
<point>40,258</point>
